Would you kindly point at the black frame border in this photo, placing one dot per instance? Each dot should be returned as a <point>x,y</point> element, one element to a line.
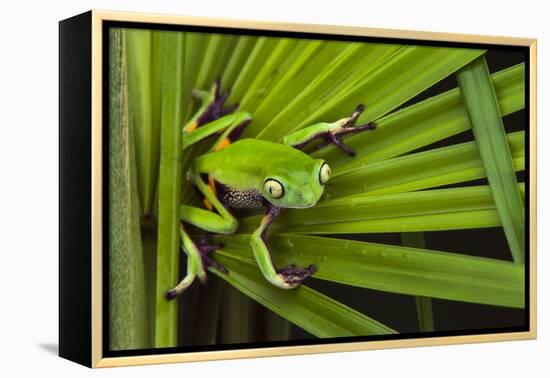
<point>75,180</point>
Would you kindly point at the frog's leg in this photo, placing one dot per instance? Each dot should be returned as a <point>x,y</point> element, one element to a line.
<point>194,265</point>
<point>222,222</point>
<point>198,259</point>
<point>286,278</point>
<point>330,133</point>
<point>230,126</point>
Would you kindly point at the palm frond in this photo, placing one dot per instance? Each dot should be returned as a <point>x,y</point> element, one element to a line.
<point>396,269</point>
<point>305,307</point>
<point>128,322</point>
<point>480,99</point>
<point>429,210</point>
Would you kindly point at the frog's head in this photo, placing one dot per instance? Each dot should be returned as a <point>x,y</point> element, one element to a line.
<point>299,187</point>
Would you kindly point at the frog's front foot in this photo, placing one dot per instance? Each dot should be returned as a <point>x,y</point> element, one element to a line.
<point>292,275</point>
<point>343,127</point>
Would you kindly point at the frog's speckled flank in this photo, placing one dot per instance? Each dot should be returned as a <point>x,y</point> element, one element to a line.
<point>241,199</point>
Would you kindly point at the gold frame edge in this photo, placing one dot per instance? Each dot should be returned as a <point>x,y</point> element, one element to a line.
<point>97,195</point>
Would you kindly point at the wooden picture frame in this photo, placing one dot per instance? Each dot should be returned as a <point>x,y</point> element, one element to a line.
<point>86,111</point>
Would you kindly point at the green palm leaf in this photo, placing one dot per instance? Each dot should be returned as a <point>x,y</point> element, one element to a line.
<point>423,123</point>
<point>141,87</point>
<point>259,55</point>
<point>283,57</point>
<point>396,269</point>
<point>480,99</point>
<point>128,322</point>
<point>430,210</point>
<point>297,77</point>
<point>310,310</point>
<point>218,50</point>
<point>242,50</point>
<point>380,76</point>
<point>428,169</point>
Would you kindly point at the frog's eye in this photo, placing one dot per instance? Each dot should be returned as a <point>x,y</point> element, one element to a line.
<point>324,173</point>
<point>274,188</point>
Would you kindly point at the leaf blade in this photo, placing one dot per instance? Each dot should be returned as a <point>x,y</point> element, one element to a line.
<point>424,123</point>
<point>430,210</point>
<point>422,170</point>
<point>393,268</point>
<point>305,307</point>
<point>141,102</point>
<point>357,60</point>
<point>482,105</point>
<point>127,301</point>
<point>242,50</point>
<point>390,76</point>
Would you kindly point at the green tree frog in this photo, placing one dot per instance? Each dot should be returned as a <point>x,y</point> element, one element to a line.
<point>251,173</point>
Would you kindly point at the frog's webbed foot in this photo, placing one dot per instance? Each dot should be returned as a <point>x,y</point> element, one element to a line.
<point>329,133</point>
<point>293,275</point>
<point>288,277</point>
<point>199,260</point>
<point>205,249</point>
<point>347,126</point>
<point>215,101</point>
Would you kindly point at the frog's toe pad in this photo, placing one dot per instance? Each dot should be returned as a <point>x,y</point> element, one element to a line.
<point>171,294</point>
<point>293,275</point>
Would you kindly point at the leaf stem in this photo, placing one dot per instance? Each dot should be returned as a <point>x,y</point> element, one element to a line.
<point>168,244</point>
<point>423,304</point>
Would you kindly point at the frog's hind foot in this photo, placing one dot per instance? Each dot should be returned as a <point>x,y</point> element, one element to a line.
<point>216,108</point>
<point>293,275</point>
<point>205,249</point>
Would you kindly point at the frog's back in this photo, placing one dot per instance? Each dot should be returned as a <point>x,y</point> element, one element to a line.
<point>245,163</point>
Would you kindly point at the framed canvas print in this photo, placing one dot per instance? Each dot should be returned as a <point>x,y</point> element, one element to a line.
<point>233,189</point>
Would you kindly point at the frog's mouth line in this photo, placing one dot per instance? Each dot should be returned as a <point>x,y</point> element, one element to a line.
<point>302,207</point>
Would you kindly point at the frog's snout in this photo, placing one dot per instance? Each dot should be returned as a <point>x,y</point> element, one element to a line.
<point>309,198</point>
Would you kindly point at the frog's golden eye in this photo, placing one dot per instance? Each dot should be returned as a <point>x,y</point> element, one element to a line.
<point>324,173</point>
<point>274,188</point>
